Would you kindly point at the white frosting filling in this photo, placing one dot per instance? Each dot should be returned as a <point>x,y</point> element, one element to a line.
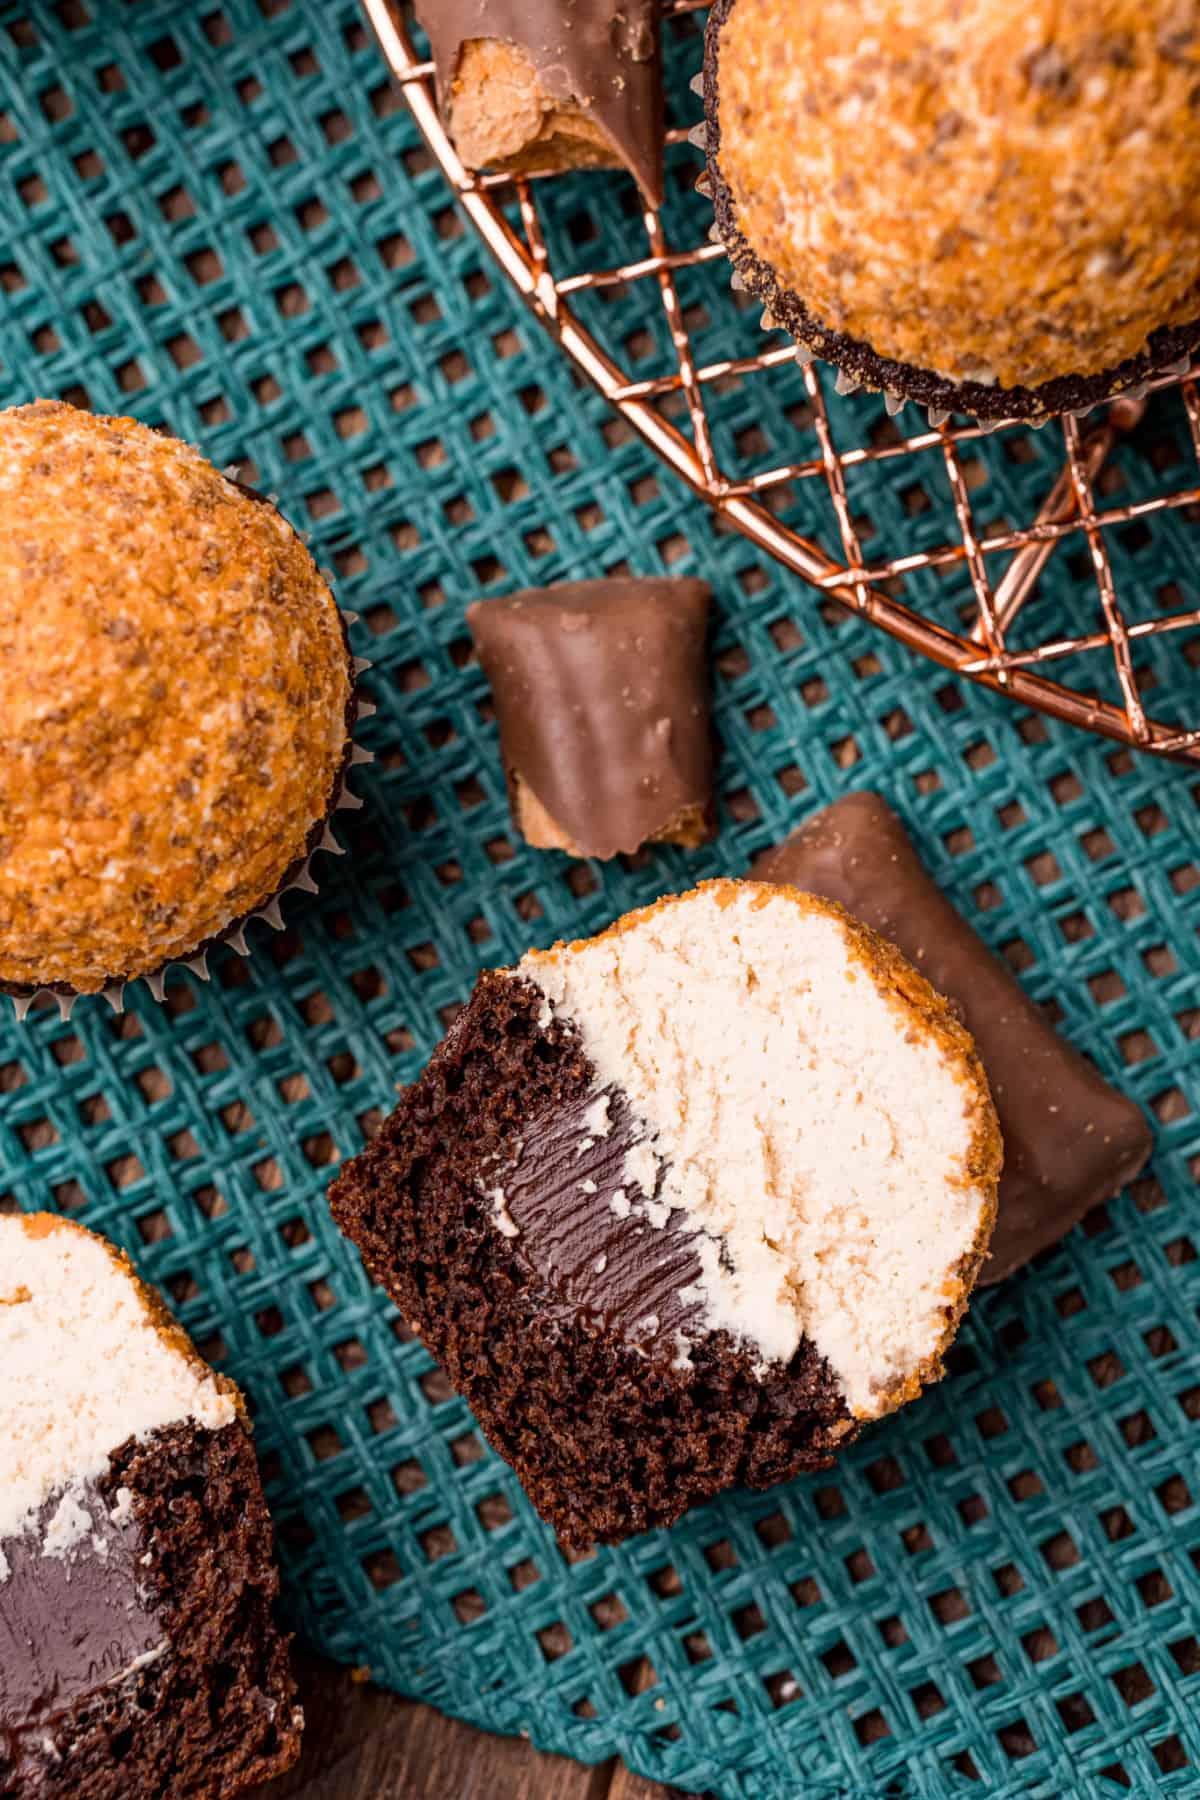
<point>82,1368</point>
<point>595,1119</point>
<point>502,1219</point>
<point>641,1167</point>
<point>67,1524</point>
<point>817,1131</point>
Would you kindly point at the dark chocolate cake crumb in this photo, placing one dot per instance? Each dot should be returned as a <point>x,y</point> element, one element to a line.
<point>207,1705</point>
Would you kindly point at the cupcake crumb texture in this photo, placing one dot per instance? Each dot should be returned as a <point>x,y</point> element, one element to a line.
<point>174,698</point>
<point>812,1109</point>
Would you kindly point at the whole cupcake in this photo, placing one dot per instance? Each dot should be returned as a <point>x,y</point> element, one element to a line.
<point>176,700</point>
<point>986,208</point>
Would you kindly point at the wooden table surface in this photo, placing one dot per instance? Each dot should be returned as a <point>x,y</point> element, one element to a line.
<point>363,1744</point>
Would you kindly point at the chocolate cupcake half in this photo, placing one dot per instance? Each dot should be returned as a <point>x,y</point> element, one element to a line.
<point>684,1205</point>
<point>176,703</point>
<point>985,212</point>
<point>138,1649</point>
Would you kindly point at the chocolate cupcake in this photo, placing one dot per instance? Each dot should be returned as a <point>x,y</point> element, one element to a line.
<point>684,1205</point>
<point>176,702</point>
<point>987,210</point>
<point>529,86</point>
<point>139,1653</point>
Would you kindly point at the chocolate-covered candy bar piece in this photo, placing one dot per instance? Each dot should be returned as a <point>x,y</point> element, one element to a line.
<point>601,693</point>
<point>1070,1140</point>
<point>550,84</point>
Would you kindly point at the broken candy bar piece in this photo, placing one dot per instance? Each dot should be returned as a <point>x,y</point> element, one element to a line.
<point>1070,1140</point>
<point>528,85</point>
<point>601,693</point>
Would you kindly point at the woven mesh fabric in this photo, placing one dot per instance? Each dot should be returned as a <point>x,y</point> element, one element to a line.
<point>223,220</point>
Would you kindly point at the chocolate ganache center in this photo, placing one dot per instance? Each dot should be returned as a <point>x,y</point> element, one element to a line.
<point>76,1611</point>
<point>581,1193</point>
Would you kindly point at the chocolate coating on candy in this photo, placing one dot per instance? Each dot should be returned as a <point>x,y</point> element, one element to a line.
<point>601,693</point>
<point>589,58</point>
<point>71,1623</point>
<point>1070,1140</point>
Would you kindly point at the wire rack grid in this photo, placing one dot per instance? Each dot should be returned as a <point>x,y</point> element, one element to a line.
<point>672,411</point>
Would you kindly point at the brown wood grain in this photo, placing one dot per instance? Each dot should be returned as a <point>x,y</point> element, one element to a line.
<point>361,1743</point>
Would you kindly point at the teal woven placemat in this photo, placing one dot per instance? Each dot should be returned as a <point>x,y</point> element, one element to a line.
<point>223,220</point>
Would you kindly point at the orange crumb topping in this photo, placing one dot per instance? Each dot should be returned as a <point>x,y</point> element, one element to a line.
<point>992,192</point>
<point>174,687</point>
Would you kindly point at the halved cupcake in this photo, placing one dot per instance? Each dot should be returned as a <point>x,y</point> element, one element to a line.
<point>139,1653</point>
<point>686,1204</point>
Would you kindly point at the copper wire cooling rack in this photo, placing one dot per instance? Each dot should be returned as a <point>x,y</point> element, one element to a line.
<point>509,215</point>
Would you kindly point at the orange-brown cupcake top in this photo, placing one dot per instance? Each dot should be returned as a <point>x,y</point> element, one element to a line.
<point>174,696</point>
<point>997,193</point>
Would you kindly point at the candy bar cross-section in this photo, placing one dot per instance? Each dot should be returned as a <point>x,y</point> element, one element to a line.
<point>533,85</point>
<point>602,698</point>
